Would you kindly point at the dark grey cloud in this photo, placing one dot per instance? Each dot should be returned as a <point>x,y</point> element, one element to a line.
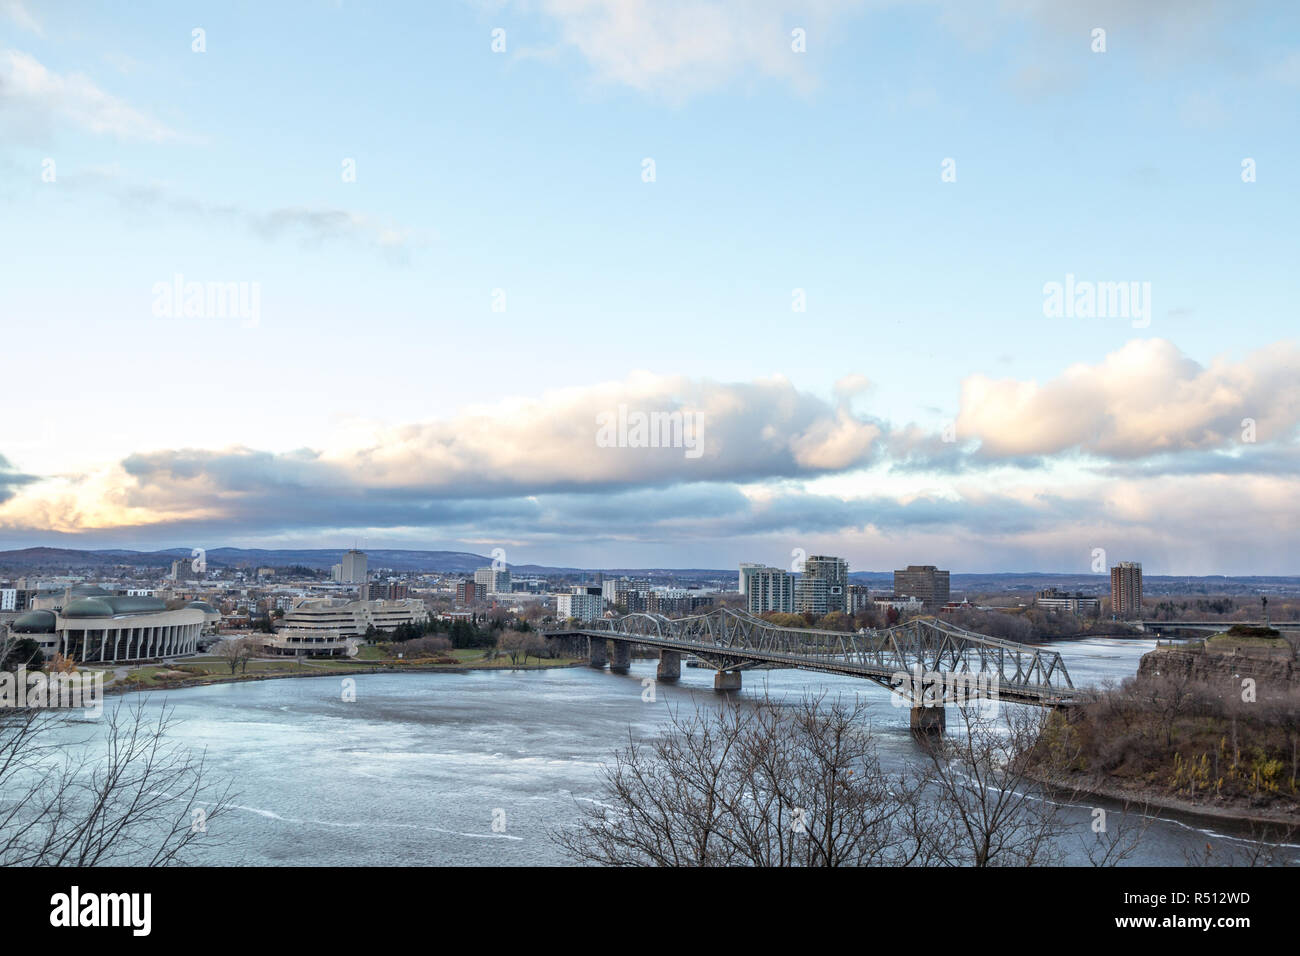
<point>11,480</point>
<point>312,226</point>
<point>1282,461</point>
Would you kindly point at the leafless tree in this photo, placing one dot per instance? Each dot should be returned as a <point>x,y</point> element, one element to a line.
<point>518,645</point>
<point>130,798</point>
<point>539,646</point>
<point>800,784</point>
<point>430,646</point>
<point>986,805</point>
<point>812,789</point>
<point>760,785</point>
<point>1266,844</point>
<point>236,651</point>
<point>1120,838</point>
<point>1167,698</point>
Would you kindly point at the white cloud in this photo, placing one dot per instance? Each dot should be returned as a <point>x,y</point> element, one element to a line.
<point>777,465</point>
<point>36,95</point>
<point>516,447</point>
<point>679,47</point>
<point>1145,399</point>
<point>851,386</point>
<point>17,11</point>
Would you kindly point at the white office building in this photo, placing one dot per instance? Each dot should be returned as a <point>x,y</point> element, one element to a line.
<point>746,567</point>
<point>579,605</point>
<point>493,580</point>
<point>901,603</point>
<point>768,589</point>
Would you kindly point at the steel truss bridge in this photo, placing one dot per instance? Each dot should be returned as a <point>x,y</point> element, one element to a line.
<point>943,662</point>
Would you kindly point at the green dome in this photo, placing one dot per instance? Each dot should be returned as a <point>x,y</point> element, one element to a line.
<point>88,607</point>
<point>89,590</point>
<point>34,622</point>
<point>112,606</point>
<point>135,605</point>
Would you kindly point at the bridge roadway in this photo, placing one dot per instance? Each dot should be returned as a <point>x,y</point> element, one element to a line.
<point>929,661</point>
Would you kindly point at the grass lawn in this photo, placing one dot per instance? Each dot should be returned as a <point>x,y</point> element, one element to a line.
<point>193,668</point>
<point>1232,640</point>
<point>207,667</point>
<point>477,657</point>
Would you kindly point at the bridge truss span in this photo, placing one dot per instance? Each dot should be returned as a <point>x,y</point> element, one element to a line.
<point>934,653</point>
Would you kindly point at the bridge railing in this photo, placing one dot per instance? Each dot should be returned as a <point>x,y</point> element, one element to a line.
<point>930,644</point>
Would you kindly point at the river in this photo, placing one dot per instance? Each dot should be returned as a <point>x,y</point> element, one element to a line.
<point>413,770</point>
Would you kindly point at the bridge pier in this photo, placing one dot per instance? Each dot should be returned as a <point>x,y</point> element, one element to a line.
<point>730,641</point>
<point>726,680</point>
<point>928,721</point>
<point>670,665</point>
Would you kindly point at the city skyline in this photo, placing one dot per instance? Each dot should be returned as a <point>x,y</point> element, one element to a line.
<point>868,275</point>
<point>796,569</point>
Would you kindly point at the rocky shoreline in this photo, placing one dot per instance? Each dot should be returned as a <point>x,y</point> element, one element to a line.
<point>1150,799</point>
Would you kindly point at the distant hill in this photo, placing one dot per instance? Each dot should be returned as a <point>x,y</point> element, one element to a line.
<point>465,562</point>
<point>68,558</point>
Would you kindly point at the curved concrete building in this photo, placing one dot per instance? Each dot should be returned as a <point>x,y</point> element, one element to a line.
<point>92,629</point>
<point>211,616</point>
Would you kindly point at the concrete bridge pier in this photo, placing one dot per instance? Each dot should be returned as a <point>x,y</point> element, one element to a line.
<point>928,721</point>
<point>599,655</point>
<point>621,661</point>
<point>726,680</point>
<point>670,665</point>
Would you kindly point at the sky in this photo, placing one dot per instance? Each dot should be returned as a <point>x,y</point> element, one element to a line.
<point>460,235</point>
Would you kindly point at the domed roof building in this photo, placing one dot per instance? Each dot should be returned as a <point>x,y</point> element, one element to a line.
<point>102,627</point>
<point>88,590</point>
<point>33,622</point>
<point>87,607</point>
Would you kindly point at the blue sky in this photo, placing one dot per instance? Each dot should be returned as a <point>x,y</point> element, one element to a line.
<point>775,170</point>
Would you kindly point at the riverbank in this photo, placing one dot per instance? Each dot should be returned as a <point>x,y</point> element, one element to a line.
<point>1210,730</point>
<point>1149,799</point>
<point>204,672</point>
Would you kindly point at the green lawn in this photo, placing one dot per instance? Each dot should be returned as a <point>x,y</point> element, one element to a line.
<point>193,669</point>
<point>208,667</point>
<point>479,657</point>
<point>1232,640</point>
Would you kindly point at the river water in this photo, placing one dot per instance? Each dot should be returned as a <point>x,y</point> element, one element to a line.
<point>416,769</point>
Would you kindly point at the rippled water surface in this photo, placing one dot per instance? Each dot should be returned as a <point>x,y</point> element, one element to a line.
<point>412,771</point>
